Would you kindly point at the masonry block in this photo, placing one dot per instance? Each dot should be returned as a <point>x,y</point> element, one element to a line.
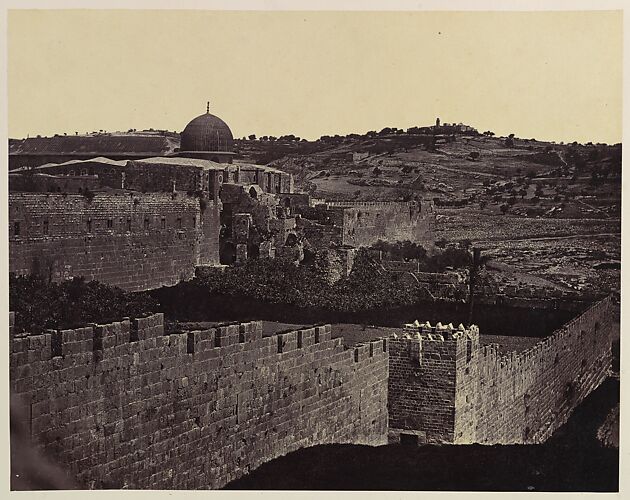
<point>233,333</point>
<point>361,352</point>
<point>287,341</point>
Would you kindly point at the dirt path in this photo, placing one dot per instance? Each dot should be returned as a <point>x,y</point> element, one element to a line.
<point>594,208</point>
<point>461,171</point>
<point>549,238</point>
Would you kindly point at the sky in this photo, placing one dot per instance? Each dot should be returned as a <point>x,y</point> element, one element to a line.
<point>544,75</point>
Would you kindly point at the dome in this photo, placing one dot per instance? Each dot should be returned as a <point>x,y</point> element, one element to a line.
<point>207,133</point>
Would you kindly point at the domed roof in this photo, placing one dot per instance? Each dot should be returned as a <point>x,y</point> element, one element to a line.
<point>207,133</point>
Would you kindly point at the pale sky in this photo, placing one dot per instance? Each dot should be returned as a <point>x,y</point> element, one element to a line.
<point>547,75</point>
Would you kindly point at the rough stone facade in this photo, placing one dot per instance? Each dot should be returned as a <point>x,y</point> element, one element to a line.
<point>364,223</point>
<point>161,174</point>
<point>123,405</point>
<point>128,239</point>
<point>44,183</point>
<point>445,387</point>
<point>421,389</point>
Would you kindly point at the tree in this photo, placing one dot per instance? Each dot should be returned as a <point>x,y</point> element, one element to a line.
<point>441,243</point>
<point>252,137</point>
<point>474,155</point>
<point>465,244</point>
<point>377,171</point>
<point>509,141</point>
<point>594,178</point>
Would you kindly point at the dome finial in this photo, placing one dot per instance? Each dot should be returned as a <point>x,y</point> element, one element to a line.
<point>208,107</point>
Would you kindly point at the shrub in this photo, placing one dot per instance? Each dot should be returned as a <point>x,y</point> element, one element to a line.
<point>39,304</point>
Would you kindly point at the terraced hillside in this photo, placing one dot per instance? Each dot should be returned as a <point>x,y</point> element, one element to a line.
<point>547,214</point>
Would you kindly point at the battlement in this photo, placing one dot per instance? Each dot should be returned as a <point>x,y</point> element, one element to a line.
<point>107,340</point>
<point>372,204</point>
<point>439,332</point>
<point>127,403</point>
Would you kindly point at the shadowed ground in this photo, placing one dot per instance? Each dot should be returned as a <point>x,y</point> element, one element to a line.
<point>572,460</point>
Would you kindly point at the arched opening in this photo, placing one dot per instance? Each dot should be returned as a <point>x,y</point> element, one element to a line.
<point>287,202</point>
<point>253,193</point>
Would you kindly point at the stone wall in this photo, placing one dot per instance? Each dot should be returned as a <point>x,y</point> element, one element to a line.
<point>43,183</point>
<point>132,240</point>
<point>359,224</point>
<point>365,223</point>
<point>421,391</point>
<point>445,387</point>
<point>526,396</point>
<point>123,405</point>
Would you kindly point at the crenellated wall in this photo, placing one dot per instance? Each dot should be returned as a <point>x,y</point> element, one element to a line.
<point>123,405</point>
<point>133,240</point>
<point>444,386</point>
<point>524,397</point>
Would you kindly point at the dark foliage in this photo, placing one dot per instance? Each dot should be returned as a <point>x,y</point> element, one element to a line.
<point>451,256</point>
<point>280,281</point>
<point>39,304</point>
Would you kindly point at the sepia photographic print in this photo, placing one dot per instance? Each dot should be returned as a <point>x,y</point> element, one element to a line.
<point>317,249</point>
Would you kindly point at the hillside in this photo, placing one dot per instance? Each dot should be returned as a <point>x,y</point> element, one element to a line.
<point>547,214</point>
